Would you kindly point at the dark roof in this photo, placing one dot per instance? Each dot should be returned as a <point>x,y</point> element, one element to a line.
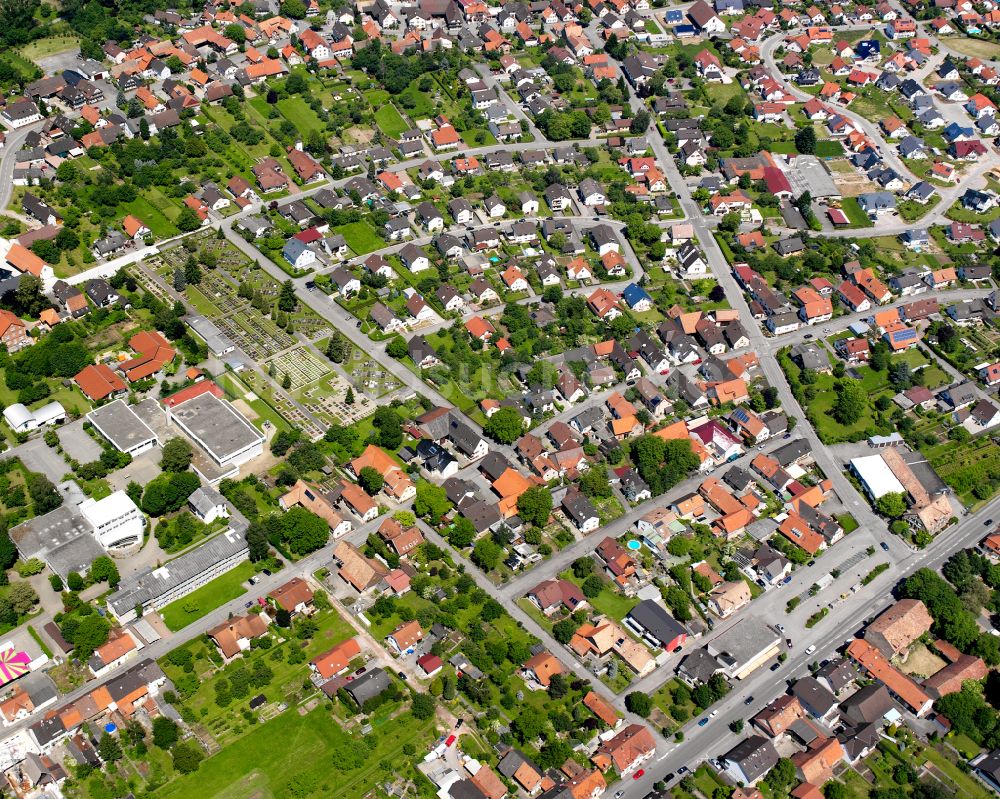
<point>755,755</point>
<point>656,621</point>
<point>368,685</point>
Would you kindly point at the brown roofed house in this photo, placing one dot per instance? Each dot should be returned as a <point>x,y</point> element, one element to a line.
<point>295,596</point>
<point>898,627</point>
<point>234,635</point>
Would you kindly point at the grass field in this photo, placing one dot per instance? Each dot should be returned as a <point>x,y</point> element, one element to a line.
<point>181,613</point>
<point>361,237</point>
<point>963,466</point>
<point>295,755</point>
<point>857,217</point>
<point>390,121</point>
<point>155,219</point>
<point>298,112</point>
<point>973,47</point>
<point>829,149</point>
<point>51,45</point>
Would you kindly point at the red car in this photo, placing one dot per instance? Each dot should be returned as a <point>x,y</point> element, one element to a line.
<point>638,774</point>
<point>450,741</point>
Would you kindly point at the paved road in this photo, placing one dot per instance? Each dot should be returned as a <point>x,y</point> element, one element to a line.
<point>303,568</point>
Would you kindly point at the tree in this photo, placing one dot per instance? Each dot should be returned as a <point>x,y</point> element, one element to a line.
<point>639,703</point>
<point>505,426</point>
<point>176,455</point>
<point>187,755</point>
<point>236,32</point>
<point>301,529</point>
<point>805,140</point>
<point>338,347</point>
<point>592,586</point>
<point>44,496</point>
<point>535,505</point>
<point>286,298</point>
<point>370,480</point>
<point>187,219</point>
<point>594,482</point>
<point>103,569</point>
<point>851,401</point>
<point>422,707</point>
<point>91,632</point>
<point>529,725</point>
<point>257,542</point>
<point>75,582</point>
<point>486,554</point>
<point>23,598</point>
<point>109,748</point>
<point>396,348</point>
<point>293,8</point>
<point>892,504</point>
<point>431,501</point>
<point>165,732</point>
<point>563,631</point>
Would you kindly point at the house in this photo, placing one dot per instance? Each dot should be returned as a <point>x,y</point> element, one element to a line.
<point>895,629</point>
<point>551,596</point>
<point>295,596</point>
<point>541,668</point>
<point>628,749</point>
<point>728,598</point>
<point>655,626</point>
<point>579,509</point>
<point>397,485</point>
<point>748,761</point>
<point>405,638</point>
<point>236,634</point>
<point>336,660</point>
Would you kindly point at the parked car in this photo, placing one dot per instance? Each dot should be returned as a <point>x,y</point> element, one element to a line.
<point>884,545</point>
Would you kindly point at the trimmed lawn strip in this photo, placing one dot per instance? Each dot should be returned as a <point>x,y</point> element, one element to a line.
<point>207,598</point>
<point>390,121</point>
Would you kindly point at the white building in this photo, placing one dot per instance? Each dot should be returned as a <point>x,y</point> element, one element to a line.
<point>21,420</point>
<point>117,521</point>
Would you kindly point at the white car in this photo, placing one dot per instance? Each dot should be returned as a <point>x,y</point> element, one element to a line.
<point>810,649</point>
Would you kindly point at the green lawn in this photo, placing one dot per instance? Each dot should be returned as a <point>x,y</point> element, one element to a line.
<point>828,149</point>
<point>295,755</point>
<point>181,613</point>
<point>857,217</point>
<point>297,111</point>
<point>154,218</point>
<point>390,121</point>
<point>361,237</point>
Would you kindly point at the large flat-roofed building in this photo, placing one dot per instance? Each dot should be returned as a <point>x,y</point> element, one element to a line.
<point>227,438</point>
<point>63,539</point>
<point>876,477</point>
<point>153,588</point>
<point>117,522</point>
<point>120,425</point>
<point>744,647</point>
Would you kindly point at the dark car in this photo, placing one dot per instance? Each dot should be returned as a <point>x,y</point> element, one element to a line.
<point>884,546</point>
<point>775,667</point>
<point>988,522</point>
<point>788,642</point>
<point>682,770</point>
<point>401,675</point>
<point>702,722</point>
<point>748,700</point>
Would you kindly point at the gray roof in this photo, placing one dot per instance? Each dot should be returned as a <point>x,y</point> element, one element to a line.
<point>743,641</point>
<point>62,538</point>
<point>868,705</point>
<point>118,423</point>
<point>755,755</point>
<point>699,665</point>
<point>205,498</point>
<point>813,696</point>
<point>220,430</point>
<point>656,621</point>
<point>218,342</point>
<point>368,685</point>
<point>149,585</point>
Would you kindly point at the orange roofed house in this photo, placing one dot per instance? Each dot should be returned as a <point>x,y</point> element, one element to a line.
<point>99,382</point>
<point>336,660</point>
<point>898,627</point>
<point>541,668</point>
<point>316,500</point>
<point>626,751</point>
<point>295,596</point>
<point>398,485</point>
<point>234,635</point>
<point>154,351</point>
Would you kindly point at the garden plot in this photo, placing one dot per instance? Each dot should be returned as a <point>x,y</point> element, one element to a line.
<point>300,365</point>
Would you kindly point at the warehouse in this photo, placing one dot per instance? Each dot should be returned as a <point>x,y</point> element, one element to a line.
<point>225,436</point>
<point>118,423</point>
<point>876,477</point>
